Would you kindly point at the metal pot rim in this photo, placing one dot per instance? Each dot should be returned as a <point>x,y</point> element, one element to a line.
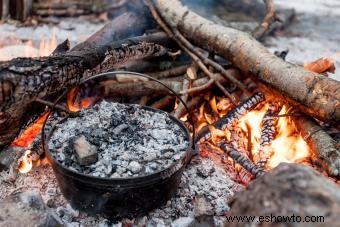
<point>161,174</point>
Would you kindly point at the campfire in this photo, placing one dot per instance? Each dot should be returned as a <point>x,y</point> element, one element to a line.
<point>147,127</point>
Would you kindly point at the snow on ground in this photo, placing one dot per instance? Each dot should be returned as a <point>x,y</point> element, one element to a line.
<point>25,41</point>
<point>315,33</point>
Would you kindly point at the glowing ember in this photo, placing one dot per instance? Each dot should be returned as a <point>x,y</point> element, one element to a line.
<point>287,146</point>
<point>26,138</point>
<point>73,102</point>
<point>25,162</point>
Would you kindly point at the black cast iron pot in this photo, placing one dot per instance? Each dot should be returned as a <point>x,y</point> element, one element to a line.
<point>120,197</point>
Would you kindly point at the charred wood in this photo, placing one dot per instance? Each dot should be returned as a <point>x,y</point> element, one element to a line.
<point>322,144</point>
<point>289,190</point>
<point>268,133</point>
<point>25,79</point>
<point>62,48</point>
<point>231,118</point>
<point>241,159</point>
<point>316,95</point>
<point>163,102</point>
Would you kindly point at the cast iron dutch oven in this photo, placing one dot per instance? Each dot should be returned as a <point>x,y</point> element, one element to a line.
<point>120,197</point>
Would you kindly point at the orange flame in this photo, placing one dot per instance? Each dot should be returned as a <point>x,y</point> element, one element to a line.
<point>287,146</point>
<point>73,102</point>
<point>26,138</point>
<point>25,162</point>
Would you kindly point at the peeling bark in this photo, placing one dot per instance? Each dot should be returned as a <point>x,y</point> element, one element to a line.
<point>289,189</point>
<point>315,94</point>
<point>322,144</point>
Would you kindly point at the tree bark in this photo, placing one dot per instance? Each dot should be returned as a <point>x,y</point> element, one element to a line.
<point>324,146</point>
<point>316,95</point>
<point>289,189</point>
<point>22,80</point>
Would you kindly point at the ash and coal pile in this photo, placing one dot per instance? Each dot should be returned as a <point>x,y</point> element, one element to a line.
<point>118,140</point>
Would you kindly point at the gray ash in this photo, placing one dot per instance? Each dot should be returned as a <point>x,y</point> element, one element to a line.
<point>122,141</point>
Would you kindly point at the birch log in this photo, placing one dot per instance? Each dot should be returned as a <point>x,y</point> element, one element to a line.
<point>314,94</point>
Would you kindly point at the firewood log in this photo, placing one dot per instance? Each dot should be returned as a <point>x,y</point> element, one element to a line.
<point>289,189</point>
<point>314,94</point>
<point>231,118</point>
<point>23,80</point>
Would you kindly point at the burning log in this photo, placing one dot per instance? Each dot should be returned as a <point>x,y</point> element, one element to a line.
<point>314,94</point>
<point>231,118</point>
<point>241,159</point>
<point>12,112</point>
<point>180,108</point>
<point>25,79</point>
<point>268,132</point>
<point>196,55</point>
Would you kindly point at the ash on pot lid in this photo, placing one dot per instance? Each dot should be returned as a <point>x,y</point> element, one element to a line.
<point>118,140</point>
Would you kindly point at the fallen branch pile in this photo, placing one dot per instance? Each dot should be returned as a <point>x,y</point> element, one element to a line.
<point>314,94</point>
<point>24,81</point>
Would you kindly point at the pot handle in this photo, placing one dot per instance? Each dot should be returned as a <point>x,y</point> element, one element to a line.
<point>113,74</point>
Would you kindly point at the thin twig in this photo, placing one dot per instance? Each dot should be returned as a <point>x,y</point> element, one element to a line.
<point>199,88</point>
<point>163,102</point>
<point>288,115</point>
<point>195,55</point>
<point>144,100</point>
<point>179,110</point>
<point>241,159</point>
<point>51,105</point>
<point>210,62</point>
<point>249,145</point>
<point>268,20</point>
<point>194,103</point>
<point>176,71</point>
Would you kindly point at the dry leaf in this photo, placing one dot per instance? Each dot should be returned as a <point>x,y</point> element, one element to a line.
<point>321,65</point>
